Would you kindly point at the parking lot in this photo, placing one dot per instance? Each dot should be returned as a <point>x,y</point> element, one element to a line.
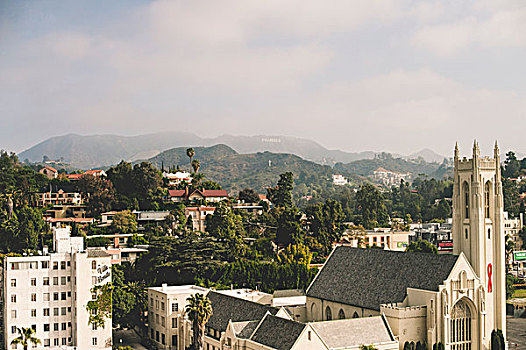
<point>516,333</point>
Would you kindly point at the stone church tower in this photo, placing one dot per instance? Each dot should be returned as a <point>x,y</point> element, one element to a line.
<point>478,230</point>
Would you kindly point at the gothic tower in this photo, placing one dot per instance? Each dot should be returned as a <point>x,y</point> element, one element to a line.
<point>478,229</point>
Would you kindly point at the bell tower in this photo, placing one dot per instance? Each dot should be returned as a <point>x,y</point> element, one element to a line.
<point>478,229</point>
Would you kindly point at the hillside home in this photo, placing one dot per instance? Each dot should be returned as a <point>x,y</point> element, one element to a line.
<point>49,172</point>
<point>213,196</point>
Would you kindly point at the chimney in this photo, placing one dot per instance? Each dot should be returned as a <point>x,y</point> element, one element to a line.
<point>164,287</point>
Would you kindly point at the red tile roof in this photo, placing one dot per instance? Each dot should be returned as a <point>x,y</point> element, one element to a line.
<point>50,169</point>
<point>176,193</point>
<point>204,193</point>
<point>74,176</point>
<point>79,220</point>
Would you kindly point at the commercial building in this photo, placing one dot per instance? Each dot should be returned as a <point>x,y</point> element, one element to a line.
<point>50,292</point>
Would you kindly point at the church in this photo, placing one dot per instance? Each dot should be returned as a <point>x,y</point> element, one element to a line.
<point>456,300</point>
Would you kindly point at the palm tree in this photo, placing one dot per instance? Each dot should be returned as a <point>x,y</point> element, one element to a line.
<point>199,310</point>
<point>190,153</point>
<point>25,337</point>
<point>196,164</point>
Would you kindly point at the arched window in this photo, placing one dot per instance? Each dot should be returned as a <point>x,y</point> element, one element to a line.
<point>328,314</point>
<point>465,190</point>
<point>341,314</point>
<point>486,199</point>
<point>461,330</point>
<point>489,233</point>
<point>463,279</point>
<point>313,312</point>
<point>355,315</point>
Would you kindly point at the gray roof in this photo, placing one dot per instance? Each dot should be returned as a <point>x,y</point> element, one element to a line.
<point>227,308</point>
<point>353,332</point>
<point>244,329</point>
<point>370,277</point>
<point>277,332</point>
<point>97,253</point>
<point>284,293</point>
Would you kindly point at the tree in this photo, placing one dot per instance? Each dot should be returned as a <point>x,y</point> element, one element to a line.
<point>196,164</point>
<point>248,195</point>
<point>326,223</point>
<point>25,337</point>
<point>289,228</point>
<point>228,227</point>
<point>199,310</point>
<point>421,246</point>
<point>146,178</point>
<point>101,308</point>
<point>124,222</point>
<point>281,195</point>
<point>511,166</point>
<point>497,340</point>
<point>295,254</point>
<point>371,207</point>
<point>99,191</point>
<point>190,153</point>
<point>510,193</point>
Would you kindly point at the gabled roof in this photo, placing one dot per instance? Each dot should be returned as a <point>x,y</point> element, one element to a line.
<point>50,169</point>
<point>278,333</point>
<point>245,329</point>
<point>211,193</point>
<point>176,193</point>
<point>370,277</point>
<point>341,334</point>
<point>227,308</point>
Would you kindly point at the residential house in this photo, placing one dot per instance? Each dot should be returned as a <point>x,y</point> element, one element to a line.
<point>213,196</point>
<point>49,172</point>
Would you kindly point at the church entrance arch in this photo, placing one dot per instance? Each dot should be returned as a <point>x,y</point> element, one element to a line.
<point>462,326</point>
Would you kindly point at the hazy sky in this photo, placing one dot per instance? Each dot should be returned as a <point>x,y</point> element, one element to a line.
<point>356,75</point>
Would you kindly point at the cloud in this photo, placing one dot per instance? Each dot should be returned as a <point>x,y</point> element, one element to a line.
<point>502,28</point>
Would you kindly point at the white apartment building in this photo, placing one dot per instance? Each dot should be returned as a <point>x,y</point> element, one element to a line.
<point>166,322</point>
<point>512,228</point>
<point>50,292</point>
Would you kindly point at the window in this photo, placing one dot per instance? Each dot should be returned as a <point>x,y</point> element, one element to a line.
<point>460,337</point>
<point>94,326</point>
<point>466,232</point>
<point>55,296</point>
<point>63,311</point>
<point>93,265</point>
<point>157,335</point>
<point>489,233</point>
<point>55,341</point>
<point>309,335</point>
<point>13,313</point>
<point>175,307</point>
<point>46,342</point>
<point>486,199</point>
<point>341,314</point>
<point>13,298</point>
<point>63,326</point>
<point>62,265</point>
<point>63,280</point>
<point>46,311</point>
<point>93,280</point>
<point>466,200</point>
<point>174,341</point>
<point>163,339</point>
<point>174,322</point>
<point>151,333</point>
<point>15,266</point>
<point>63,296</point>
<point>64,341</point>
<point>45,281</point>
<point>55,327</point>
<point>46,327</point>
<point>151,302</point>
<point>55,267</point>
<point>328,313</point>
<point>46,296</point>
<point>33,312</point>
<point>33,296</point>
<point>13,282</point>
<point>55,311</point>
<point>13,346</point>
<point>55,281</point>
<point>33,282</point>
<point>163,321</point>
<point>45,265</point>
<point>33,265</point>
<point>162,306</point>
<point>94,341</point>
<point>13,329</point>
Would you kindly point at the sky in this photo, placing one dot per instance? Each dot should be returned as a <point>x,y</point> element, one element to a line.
<point>385,75</point>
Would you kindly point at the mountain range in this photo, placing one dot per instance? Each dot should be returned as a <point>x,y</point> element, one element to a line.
<point>89,151</point>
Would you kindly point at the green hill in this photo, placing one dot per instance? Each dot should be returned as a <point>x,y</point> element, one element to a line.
<point>236,171</point>
<point>365,167</point>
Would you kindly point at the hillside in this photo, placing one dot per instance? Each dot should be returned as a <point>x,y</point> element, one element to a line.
<point>91,151</point>
<point>236,171</point>
<point>366,167</point>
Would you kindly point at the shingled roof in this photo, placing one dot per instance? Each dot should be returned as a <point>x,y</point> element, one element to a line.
<point>228,308</point>
<point>277,332</point>
<point>370,277</point>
